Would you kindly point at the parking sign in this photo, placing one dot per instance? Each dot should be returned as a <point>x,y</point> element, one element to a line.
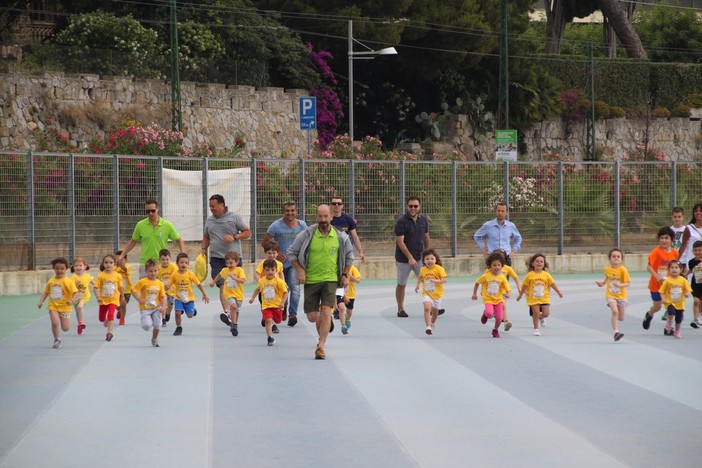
<point>308,113</point>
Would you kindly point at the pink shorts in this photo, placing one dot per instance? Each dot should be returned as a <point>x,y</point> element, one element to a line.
<point>275,314</point>
<point>106,312</point>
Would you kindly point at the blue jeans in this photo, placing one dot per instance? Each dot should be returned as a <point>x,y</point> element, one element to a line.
<point>290,274</point>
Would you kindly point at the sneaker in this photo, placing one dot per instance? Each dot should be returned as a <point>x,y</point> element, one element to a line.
<point>618,336</point>
<point>163,323</point>
<point>154,342</point>
<point>81,327</point>
<point>194,312</point>
<point>178,331</point>
<point>668,331</point>
<point>441,311</point>
<point>692,324</point>
<point>495,333</point>
<point>109,336</point>
<point>275,328</point>
<point>542,322</point>
<point>119,314</point>
<point>348,323</point>
<point>292,320</point>
<point>508,325</point>
<point>402,313</point>
<point>319,354</point>
<point>263,322</point>
<point>271,341</point>
<point>677,334</point>
<point>483,319</point>
<point>234,330</point>
<point>57,343</point>
<point>537,332</point>
<point>344,330</point>
<point>647,321</point>
<point>663,317</point>
<point>331,326</point>
<point>121,321</point>
<point>224,317</point>
<point>428,331</point>
<point>336,314</point>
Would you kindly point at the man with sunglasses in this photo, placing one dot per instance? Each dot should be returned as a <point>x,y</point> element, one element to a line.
<point>153,232</point>
<point>411,238</point>
<point>347,224</point>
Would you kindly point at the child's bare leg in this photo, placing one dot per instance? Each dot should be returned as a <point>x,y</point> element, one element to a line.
<point>696,309</point>
<point>434,315</point>
<point>427,313</point>
<point>179,317</point>
<point>234,313</point>
<point>80,307</point>
<point>545,311</point>
<point>54,316</point>
<point>269,327</point>
<point>342,313</point>
<point>65,323</point>
<point>535,315</point>
<point>615,315</point>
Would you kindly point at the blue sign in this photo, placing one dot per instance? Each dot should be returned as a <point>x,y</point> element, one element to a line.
<point>308,113</point>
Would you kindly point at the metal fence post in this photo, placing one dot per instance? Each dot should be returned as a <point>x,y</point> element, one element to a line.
<point>352,191</point>
<point>205,195</point>
<point>303,197</point>
<point>673,184</point>
<point>561,215</point>
<point>71,207</point>
<point>617,203</point>
<point>401,193</point>
<point>115,200</point>
<point>32,254</point>
<point>505,172</point>
<point>254,207</point>
<point>454,210</point>
<point>159,168</point>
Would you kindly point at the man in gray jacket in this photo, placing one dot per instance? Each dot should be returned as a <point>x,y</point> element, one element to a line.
<point>322,256</point>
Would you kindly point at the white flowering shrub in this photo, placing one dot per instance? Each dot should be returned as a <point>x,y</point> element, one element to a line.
<point>523,194</point>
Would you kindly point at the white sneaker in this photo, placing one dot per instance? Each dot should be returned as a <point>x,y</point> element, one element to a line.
<point>429,330</point>
<point>57,343</point>
<point>542,322</point>
<point>508,325</point>
<point>154,342</point>
<point>537,332</point>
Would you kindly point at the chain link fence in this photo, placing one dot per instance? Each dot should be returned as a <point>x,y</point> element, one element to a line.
<point>87,205</point>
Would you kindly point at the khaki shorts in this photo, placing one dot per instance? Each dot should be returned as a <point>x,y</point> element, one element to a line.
<point>320,294</point>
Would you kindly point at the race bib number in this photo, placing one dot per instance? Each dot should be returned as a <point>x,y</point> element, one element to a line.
<point>109,289</point>
<point>676,293</point>
<point>151,300</point>
<point>339,292</point>
<point>231,282</point>
<point>663,270</point>
<point>429,286</point>
<point>493,288</point>
<point>268,292</point>
<point>698,274</point>
<point>614,289</point>
<point>539,291</point>
<point>183,296</point>
<point>56,292</point>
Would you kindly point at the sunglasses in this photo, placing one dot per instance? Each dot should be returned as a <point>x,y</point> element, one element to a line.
<point>337,203</point>
<point>151,211</point>
<point>413,206</point>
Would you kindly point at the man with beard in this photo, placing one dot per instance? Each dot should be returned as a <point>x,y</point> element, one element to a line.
<point>322,256</point>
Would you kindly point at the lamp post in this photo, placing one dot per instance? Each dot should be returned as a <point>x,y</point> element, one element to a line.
<point>362,55</point>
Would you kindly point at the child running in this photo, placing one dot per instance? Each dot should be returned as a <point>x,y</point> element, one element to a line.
<point>274,293</point>
<point>345,302</point>
<point>232,289</point>
<point>151,296</point>
<point>126,271</point>
<point>616,281</point>
<point>695,268</point>
<point>509,272</point>
<point>83,282</point>
<point>432,277</point>
<point>270,249</point>
<point>62,292</point>
<point>658,261</point>
<point>537,285</point>
<point>165,271</point>
<point>183,281</point>
<point>674,290</point>
<point>108,289</point>
<point>495,288</point>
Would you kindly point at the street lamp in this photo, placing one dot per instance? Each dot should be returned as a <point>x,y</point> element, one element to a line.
<point>362,55</point>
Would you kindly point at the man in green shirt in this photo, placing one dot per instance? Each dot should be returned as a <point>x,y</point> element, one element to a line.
<point>154,233</point>
<point>322,256</point>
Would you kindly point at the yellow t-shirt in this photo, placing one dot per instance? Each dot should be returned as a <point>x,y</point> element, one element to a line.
<point>259,267</point>
<point>538,287</point>
<point>271,292</point>
<point>109,285</point>
<point>60,292</point>
<point>429,288</point>
<point>183,284</point>
<point>164,275</point>
<point>231,287</point>
<point>151,291</point>
<point>673,291</point>
<point>126,273</point>
<point>83,284</point>
<point>620,274</point>
<point>351,288</point>
<point>493,287</point>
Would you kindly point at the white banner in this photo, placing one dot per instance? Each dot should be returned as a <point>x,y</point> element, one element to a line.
<point>183,198</point>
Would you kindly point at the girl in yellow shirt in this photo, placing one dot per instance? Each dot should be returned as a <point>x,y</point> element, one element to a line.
<point>431,277</point>
<point>83,282</point>
<point>108,291</point>
<point>537,284</point>
<point>616,281</point>
<point>674,289</point>
<point>61,292</point>
<point>495,288</point>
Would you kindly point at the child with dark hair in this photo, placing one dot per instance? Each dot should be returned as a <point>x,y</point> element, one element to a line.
<point>658,260</point>
<point>432,277</point>
<point>495,288</point>
<point>674,290</point>
<point>62,292</point>
<point>274,293</point>
<point>695,269</point>
<point>183,280</point>
<point>537,285</point>
<point>616,281</point>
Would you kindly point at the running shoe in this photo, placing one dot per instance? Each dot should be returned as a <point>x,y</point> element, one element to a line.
<point>234,329</point>
<point>542,322</point>
<point>154,342</point>
<point>483,319</point>
<point>57,343</point>
<point>344,330</point>
<point>537,332</point>
<point>81,327</point>
<point>292,320</point>
<point>495,333</point>
<point>319,354</point>
<point>271,341</point>
<point>402,314</point>
<point>508,325</point>
<point>109,336</point>
<point>178,331</point>
<point>224,317</point>
<point>677,334</point>
<point>618,336</point>
<point>647,321</point>
<point>428,331</point>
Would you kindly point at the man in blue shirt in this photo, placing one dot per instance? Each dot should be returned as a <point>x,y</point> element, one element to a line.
<point>499,234</point>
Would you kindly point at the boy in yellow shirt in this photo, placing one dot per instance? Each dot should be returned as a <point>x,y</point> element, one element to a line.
<point>62,292</point>
<point>183,280</point>
<point>166,268</point>
<point>232,289</point>
<point>274,293</point>
<point>151,296</point>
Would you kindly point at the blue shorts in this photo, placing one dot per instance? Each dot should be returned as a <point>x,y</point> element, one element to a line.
<point>187,307</point>
<point>340,300</point>
<point>677,313</point>
<point>656,297</point>
<point>216,265</point>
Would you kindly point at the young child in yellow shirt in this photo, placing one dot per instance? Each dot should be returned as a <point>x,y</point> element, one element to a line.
<point>62,292</point>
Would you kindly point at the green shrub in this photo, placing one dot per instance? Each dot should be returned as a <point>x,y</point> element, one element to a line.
<point>681,110</point>
<point>601,110</point>
<point>616,112</point>
<point>694,100</point>
<point>660,113</point>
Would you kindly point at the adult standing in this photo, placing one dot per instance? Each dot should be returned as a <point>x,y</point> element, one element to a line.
<point>411,238</point>
<point>693,232</point>
<point>322,256</point>
<point>284,231</point>
<point>499,234</point>
<point>153,232</point>
<point>224,231</point>
<point>346,223</point>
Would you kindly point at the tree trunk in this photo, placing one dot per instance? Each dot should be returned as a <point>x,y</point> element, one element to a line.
<point>555,25</point>
<point>623,27</point>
